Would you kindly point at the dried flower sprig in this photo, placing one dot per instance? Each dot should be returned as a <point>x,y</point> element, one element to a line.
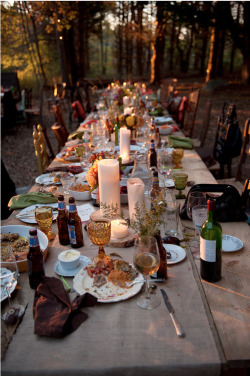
<point>147,221</point>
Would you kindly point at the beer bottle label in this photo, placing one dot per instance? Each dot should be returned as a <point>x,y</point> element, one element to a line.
<point>72,234</point>
<point>61,205</point>
<point>34,241</point>
<point>72,208</point>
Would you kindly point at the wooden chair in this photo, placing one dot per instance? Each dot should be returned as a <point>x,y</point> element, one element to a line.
<point>61,134</point>
<point>30,111</point>
<point>59,115</point>
<point>199,143</point>
<point>40,149</point>
<point>190,115</point>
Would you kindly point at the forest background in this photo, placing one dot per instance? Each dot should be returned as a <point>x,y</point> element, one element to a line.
<point>64,41</point>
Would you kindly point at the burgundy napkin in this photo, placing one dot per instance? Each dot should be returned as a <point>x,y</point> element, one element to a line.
<point>53,313</point>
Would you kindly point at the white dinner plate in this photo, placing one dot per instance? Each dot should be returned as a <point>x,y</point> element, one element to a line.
<point>108,293</point>
<point>71,158</point>
<point>4,294</point>
<point>31,210</point>
<point>177,253</point>
<point>231,243</point>
<point>46,179</point>
<point>132,148</point>
<point>163,119</point>
<point>72,272</point>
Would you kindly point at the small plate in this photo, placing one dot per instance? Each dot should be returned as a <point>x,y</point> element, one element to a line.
<point>177,253</point>
<point>32,209</point>
<point>231,244</point>
<point>46,179</point>
<point>72,272</point>
<point>163,119</point>
<point>4,294</point>
<point>132,148</point>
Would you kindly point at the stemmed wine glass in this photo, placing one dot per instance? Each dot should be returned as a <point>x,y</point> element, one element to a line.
<point>180,180</point>
<point>8,280</point>
<point>195,198</point>
<point>165,165</point>
<point>99,232</point>
<point>199,216</point>
<point>147,262</point>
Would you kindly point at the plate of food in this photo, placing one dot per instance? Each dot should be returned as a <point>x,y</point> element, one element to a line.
<point>19,241</point>
<point>165,129</point>
<point>52,178</point>
<point>68,156</point>
<point>109,279</point>
<point>177,253</point>
<point>163,119</point>
<point>27,215</point>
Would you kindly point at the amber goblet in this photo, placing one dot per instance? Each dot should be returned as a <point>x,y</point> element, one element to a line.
<point>177,157</point>
<point>99,232</point>
<point>180,180</point>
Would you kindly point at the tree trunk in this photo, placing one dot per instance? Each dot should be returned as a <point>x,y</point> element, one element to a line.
<point>203,51</point>
<point>221,47</point>
<point>210,68</point>
<point>80,42</point>
<point>245,72</point>
<point>139,46</point>
<point>172,44</point>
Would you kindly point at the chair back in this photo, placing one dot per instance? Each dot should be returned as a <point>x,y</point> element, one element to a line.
<point>40,149</point>
<point>61,134</point>
<point>28,98</point>
<point>59,115</point>
<point>245,150</point>
<point>193,101</point>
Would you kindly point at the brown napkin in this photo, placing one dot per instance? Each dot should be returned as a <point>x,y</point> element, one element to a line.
<point>53,313</point>
<point>55,169</point>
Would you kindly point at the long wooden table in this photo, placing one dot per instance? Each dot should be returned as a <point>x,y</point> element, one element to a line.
<point>121,338</point>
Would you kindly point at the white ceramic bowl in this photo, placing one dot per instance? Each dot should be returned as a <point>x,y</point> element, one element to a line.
<point>167,129</point>
<point>24,231</point>
<point>69,259</point>
<point>81,196</point>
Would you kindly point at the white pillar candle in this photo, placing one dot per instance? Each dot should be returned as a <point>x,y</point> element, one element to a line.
<point>109,183</point>
<point>126,101</point>
<point>128,111</point>
<point>125,144</point>
<point>136,189</point>
<point>119,229</point>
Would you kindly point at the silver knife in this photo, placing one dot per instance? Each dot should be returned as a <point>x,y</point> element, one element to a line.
<point>177,326</point>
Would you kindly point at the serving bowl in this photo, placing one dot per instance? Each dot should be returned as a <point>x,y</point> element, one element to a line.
<point>69,259</point>
<point>165,129</point>
<point>79,195</point>
<point>24,231</point>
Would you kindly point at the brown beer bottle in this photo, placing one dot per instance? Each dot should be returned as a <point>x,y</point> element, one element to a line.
<point>162,271</point>
<point>155,190</point>
<point>74,226</point>
<point>36,268</point>
<point>62,222</point>
<point>152,155</point>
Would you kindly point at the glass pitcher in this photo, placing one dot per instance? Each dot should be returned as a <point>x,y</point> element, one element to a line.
<point>142,171</point>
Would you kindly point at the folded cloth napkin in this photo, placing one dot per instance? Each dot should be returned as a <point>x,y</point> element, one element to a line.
<point>53,313</point>
<point>83,125</point>
<point>32,198</point>
<point>180,142</point>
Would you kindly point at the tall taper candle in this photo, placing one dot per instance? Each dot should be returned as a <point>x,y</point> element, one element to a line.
<point>125,144</point>
<point>109,183</point>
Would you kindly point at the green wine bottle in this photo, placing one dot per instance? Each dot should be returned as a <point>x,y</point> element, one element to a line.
<point>116,130</point>
<point>210,246</point>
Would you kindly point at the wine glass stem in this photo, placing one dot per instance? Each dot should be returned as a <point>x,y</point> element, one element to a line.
<point>101,249</point>
<point>147,287</point>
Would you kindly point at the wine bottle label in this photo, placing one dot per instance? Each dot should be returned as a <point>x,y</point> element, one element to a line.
<point>61,205</point>
<point>72,234</point>
<point>207,250</point>
<point>34,241</point>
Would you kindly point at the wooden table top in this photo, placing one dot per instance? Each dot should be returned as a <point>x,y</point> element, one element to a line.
<point>122,338</point>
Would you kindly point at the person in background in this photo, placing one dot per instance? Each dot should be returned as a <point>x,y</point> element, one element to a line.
<point>8,189</point>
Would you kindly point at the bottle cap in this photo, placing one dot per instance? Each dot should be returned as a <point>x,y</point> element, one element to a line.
<point>71,200</point>
<point>211,204</point>
<point>33,231</point>
<point>60,198</point>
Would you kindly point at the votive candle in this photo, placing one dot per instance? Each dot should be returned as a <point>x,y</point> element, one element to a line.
<point>125,144</point>
<point>119,229</point>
